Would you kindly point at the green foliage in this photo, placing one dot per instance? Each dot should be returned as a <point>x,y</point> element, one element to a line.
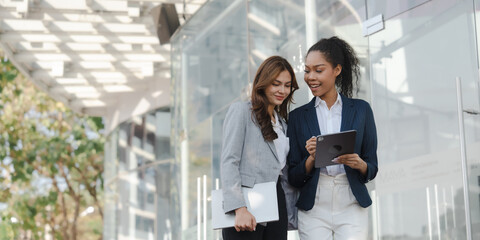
<point>50,168</point>
<point>6,231</point>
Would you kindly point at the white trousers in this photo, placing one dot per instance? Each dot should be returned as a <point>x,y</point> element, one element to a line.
<point>335,214</point>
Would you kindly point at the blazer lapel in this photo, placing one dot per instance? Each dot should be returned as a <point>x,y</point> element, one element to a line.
<point>284,125</point>
<point>311,118</point>
<point>348,113</point>
<point>274,150</point>
<point>271,144</point>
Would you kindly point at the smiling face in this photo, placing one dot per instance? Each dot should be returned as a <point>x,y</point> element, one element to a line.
<point>279,89</point>
<point>320,75</point>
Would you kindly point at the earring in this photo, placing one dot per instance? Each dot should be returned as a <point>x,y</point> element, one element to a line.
<point>339,78</point>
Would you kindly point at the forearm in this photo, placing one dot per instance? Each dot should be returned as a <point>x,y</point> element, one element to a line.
<point>309,164</point>
<point>363,169</point>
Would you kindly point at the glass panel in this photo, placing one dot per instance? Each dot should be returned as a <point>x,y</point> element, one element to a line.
<point>110,187</point>
<point>214,64</point>
<point>344,19</point>
<point>278,28</point>
<point>472,131</point>
<point>200,162</point>
<point>286,31</point>
<point>414,62</point>
<point>209,71</point>
<point>472,137</point>
<point>391,8</point>
<point>167,210</point>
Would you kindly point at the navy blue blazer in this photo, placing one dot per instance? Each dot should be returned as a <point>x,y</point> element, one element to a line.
<point>303,124</point>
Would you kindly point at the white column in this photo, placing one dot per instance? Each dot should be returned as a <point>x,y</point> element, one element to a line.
<point>452,195</point>
<point>429,215</point>
<point>445,210</point>
<point>375,215</point>
<point>463,153</point>
<point>204,207</point>
<point>184,148</point>
<point>310,22</point>
<point>310,27</point>
<point>437,210</point>
<point>184,183</point>
<point>199,209</point>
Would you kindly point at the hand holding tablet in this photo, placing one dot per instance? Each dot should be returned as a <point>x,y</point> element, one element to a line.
<point>330,146</point>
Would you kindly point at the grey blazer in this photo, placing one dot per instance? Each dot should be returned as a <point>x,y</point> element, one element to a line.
<point>246,158</point>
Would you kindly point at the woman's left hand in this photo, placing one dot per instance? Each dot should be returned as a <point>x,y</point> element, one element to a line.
<point>354,161</point>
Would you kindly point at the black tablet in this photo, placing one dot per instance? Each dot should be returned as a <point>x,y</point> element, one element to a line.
<point>330,146</point>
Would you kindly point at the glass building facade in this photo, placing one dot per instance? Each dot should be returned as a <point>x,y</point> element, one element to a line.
<point>409,70</point>
<point>139,184</point>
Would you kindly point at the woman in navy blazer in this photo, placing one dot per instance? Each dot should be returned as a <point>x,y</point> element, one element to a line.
<point>333,201</point>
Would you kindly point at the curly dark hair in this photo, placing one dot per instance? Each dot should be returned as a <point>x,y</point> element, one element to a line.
<point>337,51</point>
<point>266,74</point>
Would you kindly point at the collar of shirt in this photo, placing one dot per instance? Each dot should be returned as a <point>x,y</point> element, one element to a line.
<point>281,142</point>
<point>329,120</point>
<point>277,123</point>
<point>319,101</point>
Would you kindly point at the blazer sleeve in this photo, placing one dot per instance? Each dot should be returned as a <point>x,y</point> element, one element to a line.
<point>369,146</point>
<point>297,173</point>
<point>234,131</point>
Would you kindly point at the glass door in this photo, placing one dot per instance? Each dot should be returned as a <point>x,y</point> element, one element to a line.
<point>414,61</point>
<point>472,136</point>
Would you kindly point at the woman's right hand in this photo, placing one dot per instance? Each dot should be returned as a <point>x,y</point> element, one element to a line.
<point>244,220</point>
<point>311,146</point>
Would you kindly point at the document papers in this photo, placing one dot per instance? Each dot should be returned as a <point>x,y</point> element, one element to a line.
<point>261,201</point>
<point>330,146</point>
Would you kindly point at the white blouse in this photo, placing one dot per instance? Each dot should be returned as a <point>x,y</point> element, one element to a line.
<point>282,144</point>
<point>329,121</point>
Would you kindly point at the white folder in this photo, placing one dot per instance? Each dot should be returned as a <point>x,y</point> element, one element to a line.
<point>261,201</point>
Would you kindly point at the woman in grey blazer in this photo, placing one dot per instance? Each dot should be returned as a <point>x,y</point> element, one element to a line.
<point>255,148</point>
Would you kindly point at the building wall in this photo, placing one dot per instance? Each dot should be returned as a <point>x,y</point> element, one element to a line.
<point>140,194</point>
<point>408,76</point>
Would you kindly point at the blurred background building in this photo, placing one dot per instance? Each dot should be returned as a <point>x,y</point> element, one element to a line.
<point>164,98</point>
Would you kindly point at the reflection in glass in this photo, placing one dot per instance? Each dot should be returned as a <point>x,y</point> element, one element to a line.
<point>420,182</point>
<point>391,8</point>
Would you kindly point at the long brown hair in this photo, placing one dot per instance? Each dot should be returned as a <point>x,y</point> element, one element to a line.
<point>266,74</point>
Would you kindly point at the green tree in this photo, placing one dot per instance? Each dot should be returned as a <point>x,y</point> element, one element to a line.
<point>51,164</point>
